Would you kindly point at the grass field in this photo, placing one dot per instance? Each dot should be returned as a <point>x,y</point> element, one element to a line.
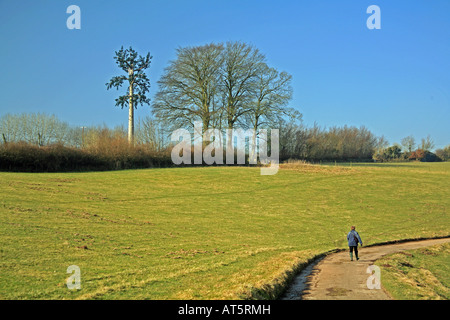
<point>422,274</point>
<point>202,233</point>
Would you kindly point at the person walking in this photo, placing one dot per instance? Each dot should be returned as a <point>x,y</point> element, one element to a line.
<point>353,238</point>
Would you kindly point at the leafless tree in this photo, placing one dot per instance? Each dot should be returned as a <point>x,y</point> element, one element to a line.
<point>241,65</point>
<point>35,128</point>
<point>409,143</point>
<point>152,133</point>
<point>427,143</point>
<point>188,88</point>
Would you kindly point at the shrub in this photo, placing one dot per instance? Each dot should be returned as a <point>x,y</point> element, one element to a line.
<point>57,158</point>
<point>424,156</point>
<point>443,154</point>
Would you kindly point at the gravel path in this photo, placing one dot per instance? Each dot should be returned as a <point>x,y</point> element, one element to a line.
<point>335,277</point>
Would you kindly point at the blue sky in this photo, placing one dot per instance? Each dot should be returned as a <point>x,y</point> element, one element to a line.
<point>395,81</point>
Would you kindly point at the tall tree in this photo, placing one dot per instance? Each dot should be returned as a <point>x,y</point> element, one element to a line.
<point>240,66</point>
<point>239,72</point>
<point>138,83</point>
<point>272,93</point>
<point>188,88</point>
<point>220,86</point>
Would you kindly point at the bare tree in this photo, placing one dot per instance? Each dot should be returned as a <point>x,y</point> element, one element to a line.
<point>152,133</point>
<point>272,93</point>
<point>188,87</point>
<point>444,154</point>
<point>409,143</point>
<point>9,128</point>
<point>427,143</point>
<point>240,68</point>
<point>35,128</point>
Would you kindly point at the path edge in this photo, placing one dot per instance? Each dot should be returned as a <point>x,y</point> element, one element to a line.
<point>277,292</point>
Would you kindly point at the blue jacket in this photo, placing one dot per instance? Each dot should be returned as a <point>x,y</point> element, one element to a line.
<point>352,242</point>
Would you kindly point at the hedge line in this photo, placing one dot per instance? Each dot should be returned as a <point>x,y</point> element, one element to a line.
<point>21,157</point>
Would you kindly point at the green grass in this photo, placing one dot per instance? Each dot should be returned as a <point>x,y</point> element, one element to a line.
<point>422,274</point>
<point>202,233</point>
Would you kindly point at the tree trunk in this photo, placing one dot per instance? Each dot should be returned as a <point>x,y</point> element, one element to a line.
<point>253,148</point>
<point>230,144</point>
<point>130,113</point>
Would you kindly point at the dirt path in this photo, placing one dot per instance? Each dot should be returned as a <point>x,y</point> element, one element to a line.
<point>335,277</point>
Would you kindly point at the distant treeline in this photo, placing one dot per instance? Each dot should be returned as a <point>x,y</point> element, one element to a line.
<point>332,144</point>
<point>43,143</point>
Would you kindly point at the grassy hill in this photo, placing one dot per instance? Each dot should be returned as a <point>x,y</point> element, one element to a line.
<point>202,233</point>
<point>422,274</point>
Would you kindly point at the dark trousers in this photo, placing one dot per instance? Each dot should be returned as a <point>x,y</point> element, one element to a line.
<point>356,250</point>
